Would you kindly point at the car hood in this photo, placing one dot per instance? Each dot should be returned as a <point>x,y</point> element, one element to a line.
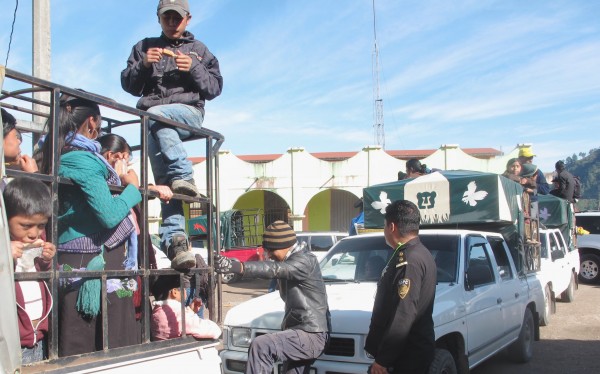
<point>350,305</point>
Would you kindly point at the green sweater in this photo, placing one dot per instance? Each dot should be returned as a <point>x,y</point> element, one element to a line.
<point>89,207</point>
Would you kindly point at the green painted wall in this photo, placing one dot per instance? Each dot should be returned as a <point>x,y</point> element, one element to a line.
<point>251,200</point>
<point>319,210</point>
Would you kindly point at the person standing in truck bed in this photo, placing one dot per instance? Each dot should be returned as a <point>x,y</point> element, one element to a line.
<point>174,74</point>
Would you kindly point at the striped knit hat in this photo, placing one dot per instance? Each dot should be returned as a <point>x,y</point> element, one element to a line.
<point>279,235</point>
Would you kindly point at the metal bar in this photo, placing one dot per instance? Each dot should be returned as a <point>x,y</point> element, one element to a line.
<point>104,314</point>
<point>54,283</point>
<point>17,94</point>
<point>144,231</point>
<point>183,302</point>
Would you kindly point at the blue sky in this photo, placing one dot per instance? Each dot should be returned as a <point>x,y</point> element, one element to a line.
<point>299,73</point>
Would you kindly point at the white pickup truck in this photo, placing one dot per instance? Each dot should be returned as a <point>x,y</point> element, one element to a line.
<point>477,283</point>
<point>558,271</point>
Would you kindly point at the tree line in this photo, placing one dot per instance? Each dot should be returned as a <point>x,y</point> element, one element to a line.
<point>587,168</point>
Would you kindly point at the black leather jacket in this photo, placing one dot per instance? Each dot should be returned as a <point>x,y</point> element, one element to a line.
<point>301,287</point>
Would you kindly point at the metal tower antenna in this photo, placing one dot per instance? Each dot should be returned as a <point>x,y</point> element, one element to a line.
<point>378,130</point>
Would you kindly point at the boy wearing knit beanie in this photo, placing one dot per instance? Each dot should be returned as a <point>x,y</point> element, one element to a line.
<point>306,321</point>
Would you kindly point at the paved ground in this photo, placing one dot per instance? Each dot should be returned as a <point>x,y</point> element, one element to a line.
<point>570,344</point>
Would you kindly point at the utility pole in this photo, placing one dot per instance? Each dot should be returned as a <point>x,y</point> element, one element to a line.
<point>378,130</point>
<point>41,56</point>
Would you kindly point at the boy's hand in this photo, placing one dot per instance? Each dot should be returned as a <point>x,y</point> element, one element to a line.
<point>28,164</point>
<point>196,304</point>
<point>224,264</point>
<point>184,62</point>
<point>164,192</point>
<point>17,249</point>
<point>152,55</point>
<point>130,178</point>
<point>48,251</point>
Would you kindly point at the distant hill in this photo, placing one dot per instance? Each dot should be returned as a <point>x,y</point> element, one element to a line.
<point>587,167</point>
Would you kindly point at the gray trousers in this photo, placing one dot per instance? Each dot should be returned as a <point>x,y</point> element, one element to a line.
<point>296,348</point>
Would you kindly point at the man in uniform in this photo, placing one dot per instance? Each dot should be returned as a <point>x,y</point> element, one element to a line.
<point>306,322</point>
<point>401,336</point>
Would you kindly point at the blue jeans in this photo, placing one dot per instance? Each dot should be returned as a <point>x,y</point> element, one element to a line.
<point>169,161</point>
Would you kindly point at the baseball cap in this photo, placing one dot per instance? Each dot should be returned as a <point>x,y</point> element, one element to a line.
<point>180,6</point>
<point>528,170</point>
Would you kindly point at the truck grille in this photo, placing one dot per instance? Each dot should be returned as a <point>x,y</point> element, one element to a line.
<point>340,347</point>
<point>337,346</point>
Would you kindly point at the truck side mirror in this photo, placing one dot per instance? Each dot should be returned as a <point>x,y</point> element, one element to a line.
<point>468,285</point>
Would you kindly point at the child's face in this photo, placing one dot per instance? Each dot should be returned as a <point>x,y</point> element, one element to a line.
<point>12,145</point>
<point>515,168</point>
<point>26,229</point>
<point>172,24</point>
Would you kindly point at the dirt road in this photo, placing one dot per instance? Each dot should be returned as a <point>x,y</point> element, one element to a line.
<point>570,344</point>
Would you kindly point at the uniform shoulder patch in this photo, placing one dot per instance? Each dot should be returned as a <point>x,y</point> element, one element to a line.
<point>403,287</point>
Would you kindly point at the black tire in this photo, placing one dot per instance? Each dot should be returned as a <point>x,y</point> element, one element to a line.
<point>548,307</point>
<point>589,271</point>
<point>228,278</point>
<point>521,350</point>
<point>443,363</point>
<point>568,295</point>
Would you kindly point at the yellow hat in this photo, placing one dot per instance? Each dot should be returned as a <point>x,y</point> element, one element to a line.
<point>526,152</point>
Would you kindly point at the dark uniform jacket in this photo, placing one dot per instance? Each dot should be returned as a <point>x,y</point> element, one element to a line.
<point>401,333</point>
<point>163,83</point>
<point>301,287</point>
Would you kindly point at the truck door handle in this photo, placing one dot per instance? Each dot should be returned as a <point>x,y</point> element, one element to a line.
<point>499,300</point>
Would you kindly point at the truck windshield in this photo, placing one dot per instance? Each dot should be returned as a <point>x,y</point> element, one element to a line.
<point>363,259</point>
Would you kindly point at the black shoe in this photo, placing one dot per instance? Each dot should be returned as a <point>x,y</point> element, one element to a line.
<point>180,254</point>
<point>185,187</point>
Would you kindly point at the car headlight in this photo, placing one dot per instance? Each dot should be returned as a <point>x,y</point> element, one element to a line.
<point>241,337</point>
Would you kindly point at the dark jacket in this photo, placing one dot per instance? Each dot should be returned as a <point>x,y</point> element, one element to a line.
<point>566,185</point>
<point>401,333</point>
<point>301,287</point>
<point>29,333</point>
<point>163,83</point>
<point>543,188</point>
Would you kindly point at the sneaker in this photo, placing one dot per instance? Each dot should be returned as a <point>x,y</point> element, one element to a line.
<point>180,254</point>
<point>185,187</point>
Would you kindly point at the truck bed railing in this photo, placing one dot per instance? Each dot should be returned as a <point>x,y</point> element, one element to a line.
<point>17,99</point>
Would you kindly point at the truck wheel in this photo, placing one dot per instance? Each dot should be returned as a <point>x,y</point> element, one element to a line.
<point>589,269</point>
<point>443,363</point>
<point>521,350</point>
<point>568,295</point>
<point>548,307</point>
<point>229,278</point>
